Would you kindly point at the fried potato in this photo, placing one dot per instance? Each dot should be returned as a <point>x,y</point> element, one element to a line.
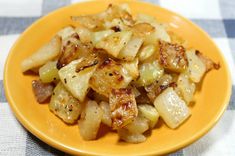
<point>196,67</point>
<point>173,57</point>
<point>138,126</point>
<point>85,35</point>
<point>66,32</point>
<point>123,107</point>
<point>49,72</point>
<point>77,82</point>
<point>149,72</point>
<point>149,112</point>
<point>109,75</point>
<point>171,108</point>
<point>106,118</point>
<point>114,42</point>
<point>186,87</point>
<point>127,136</point>
<point>129,52</point>
<point>90,120</point>
<point>64,105</point>
<point>46,53</point>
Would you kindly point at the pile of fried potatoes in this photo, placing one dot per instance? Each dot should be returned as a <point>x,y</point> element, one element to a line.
<point>118,70</point>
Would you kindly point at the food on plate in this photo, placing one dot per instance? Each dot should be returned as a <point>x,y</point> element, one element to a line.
<point>120,70</point>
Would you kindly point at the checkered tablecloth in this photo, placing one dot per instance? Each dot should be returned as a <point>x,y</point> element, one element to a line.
<point>216,17</point>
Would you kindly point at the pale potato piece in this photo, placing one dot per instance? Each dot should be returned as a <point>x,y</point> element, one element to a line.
<point>149,72</point>
<point>106,118</point>
<point>146,52</point>
<point>127,136</point>
<point>85,35</point>
<point>186,87</point>
<point>66,32</point>
<point>123,107</point>
<point>99,35</point>
<point>138,126</point>
<point>132,68</point>
<point>150,113</point>
<point>129,52</point>
<point>90,120</point>
<point>114,42</point>
<point>160,32</point>
<point>49,72</point>
<point>64,105</point>
<point>171,108</point>
<point>46,53</point>
<point>196,68</point>
<point>76,82</point>
<point>116,25</point>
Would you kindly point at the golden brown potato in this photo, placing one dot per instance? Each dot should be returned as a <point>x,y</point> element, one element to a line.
<point>141,30</point>
<point>123,107</point>
<point>172,56</point>
<point>72,50</point>
<point>108,76</point>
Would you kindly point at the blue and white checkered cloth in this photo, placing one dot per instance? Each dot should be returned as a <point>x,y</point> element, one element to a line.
<point>216,17</point>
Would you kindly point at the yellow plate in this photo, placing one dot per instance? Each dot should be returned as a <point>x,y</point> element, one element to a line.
<point>211,100</point>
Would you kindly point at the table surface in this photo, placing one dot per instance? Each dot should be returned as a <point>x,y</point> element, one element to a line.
<point>216,17</point>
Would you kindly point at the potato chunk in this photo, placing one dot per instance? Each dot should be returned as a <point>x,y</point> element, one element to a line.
<point>150,113</point>
<point>106,118</point>
<point>66,32</point>
<point>186,87</point>
<point>73,49</point>
<point>155,88</point>
<point>90,120</point>
<point>171,108</point>
<point>142,30</point>
<point>77,80</point>
<point>109,75</point>
<point>146,52</point>
<point>207,61</point>
<point>99,35</point>
<point>132,68</point>
<point>196,68</point>
<point>149,72</point>
<point>85,35</point>
<point>172,56</point>
<point>64,105</point>
<point>123,107</point>
<point>49,72</point>
<point>114,42</point>
<point>138,126</point>
<point>127,136</point>
<point>46,53</point>
<point>129,52</point>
